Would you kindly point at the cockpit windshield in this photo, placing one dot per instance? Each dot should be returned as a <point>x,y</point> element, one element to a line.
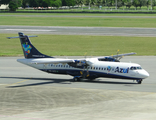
<point>135,68</point>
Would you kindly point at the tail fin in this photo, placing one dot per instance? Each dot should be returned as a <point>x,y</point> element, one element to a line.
<point>28,49</point>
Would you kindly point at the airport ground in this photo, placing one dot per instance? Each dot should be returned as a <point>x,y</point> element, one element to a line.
<point>26,93</point>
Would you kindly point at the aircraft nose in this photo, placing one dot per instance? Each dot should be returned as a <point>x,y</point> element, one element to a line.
<point>144,74</point>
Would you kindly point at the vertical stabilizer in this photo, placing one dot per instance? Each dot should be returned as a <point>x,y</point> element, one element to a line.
<point>28,49</point>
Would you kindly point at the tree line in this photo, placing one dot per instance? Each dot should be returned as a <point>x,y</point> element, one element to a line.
<point>14,4</point>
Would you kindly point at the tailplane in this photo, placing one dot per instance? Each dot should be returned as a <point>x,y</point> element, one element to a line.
<point>28,49</point>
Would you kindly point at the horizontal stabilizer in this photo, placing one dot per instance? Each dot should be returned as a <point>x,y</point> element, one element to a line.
<point>21,37</point>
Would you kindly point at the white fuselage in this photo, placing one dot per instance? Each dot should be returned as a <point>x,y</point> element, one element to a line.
<point>95,68</point>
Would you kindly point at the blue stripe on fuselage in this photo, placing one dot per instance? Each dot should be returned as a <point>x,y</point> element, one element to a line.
<point>92,74</point>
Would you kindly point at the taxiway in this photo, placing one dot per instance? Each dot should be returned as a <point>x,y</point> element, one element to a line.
<point>27,93</point>
<point>107,31</point>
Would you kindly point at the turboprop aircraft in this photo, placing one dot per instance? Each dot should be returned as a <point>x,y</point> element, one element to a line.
<point>85,68</point>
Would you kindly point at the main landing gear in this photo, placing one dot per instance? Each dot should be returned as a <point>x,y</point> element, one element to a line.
<point>76,79</point>
<point>139,81</point>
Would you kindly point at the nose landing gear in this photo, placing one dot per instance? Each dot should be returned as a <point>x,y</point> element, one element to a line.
<point>139,81</point>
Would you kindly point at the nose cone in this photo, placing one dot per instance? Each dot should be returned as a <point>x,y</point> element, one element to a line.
<point>144,74</point>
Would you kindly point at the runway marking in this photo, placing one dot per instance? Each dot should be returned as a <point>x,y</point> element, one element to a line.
<point>30,30</point>
<point>17,82</point>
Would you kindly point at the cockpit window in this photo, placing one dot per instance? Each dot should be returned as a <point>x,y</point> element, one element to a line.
<point>139,68</point>
<point>135,68</point>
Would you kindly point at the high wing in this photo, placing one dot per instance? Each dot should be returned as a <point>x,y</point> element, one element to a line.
<point>121,55</point>
<point>114,57</point>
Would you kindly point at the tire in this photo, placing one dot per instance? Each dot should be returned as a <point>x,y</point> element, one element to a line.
<point>76,79</point>
<point>139,81</point>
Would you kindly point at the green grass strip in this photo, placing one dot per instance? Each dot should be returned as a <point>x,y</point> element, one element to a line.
<point>78,21</point>
<point>79,14</point>
<point>78,45</point>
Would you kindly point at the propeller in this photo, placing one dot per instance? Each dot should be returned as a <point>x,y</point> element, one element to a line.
<point>118,58</point>
<point>85,73</point>
<point>118,51</point>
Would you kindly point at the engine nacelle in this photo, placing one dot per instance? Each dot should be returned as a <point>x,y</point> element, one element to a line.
<point>109,59</point>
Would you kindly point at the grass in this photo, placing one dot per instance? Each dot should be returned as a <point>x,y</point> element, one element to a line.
<point>77,14</point>
<point>78,45</point>
<point>77,21</point>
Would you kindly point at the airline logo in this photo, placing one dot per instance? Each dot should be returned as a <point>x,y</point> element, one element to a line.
<point>27,48</point>
<point>118,69</point>
<point>122,70</point>
<point>109,68</point>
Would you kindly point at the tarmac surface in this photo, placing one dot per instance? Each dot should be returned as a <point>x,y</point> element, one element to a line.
<point>27,93</point>
<point>107,31</point>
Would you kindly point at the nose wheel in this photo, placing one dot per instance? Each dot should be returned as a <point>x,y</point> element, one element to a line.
<point>139,81</point>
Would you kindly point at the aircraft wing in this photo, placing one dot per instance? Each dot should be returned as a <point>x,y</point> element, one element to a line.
<point>117,56</point>
<point>80,61</point>
<point>52,61</point>
<point>121,55</point>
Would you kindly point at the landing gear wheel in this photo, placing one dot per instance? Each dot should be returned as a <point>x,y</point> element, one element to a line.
<point>92,79</point>
<point>139,81</point>
<point>76,79</point>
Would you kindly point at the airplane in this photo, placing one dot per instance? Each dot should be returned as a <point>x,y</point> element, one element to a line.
<point>80,69</point>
